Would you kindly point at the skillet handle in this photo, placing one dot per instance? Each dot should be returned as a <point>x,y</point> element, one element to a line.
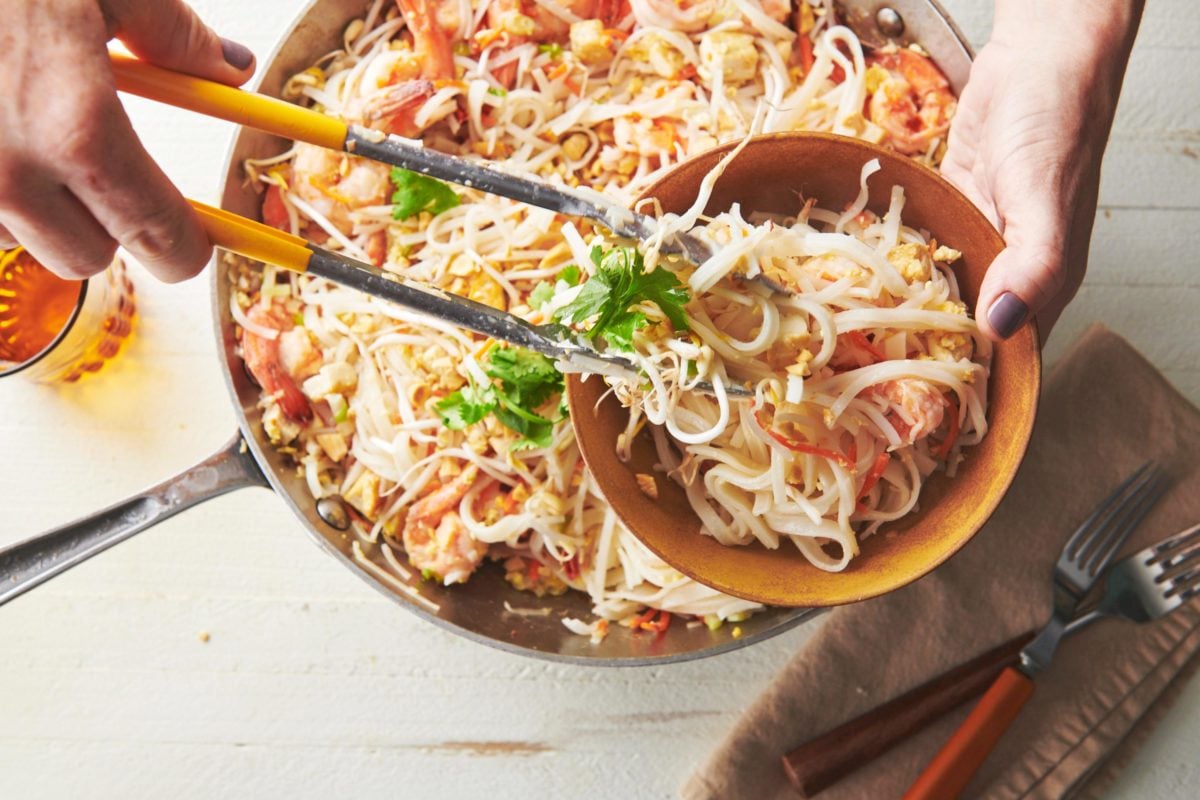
<point>26,564</point>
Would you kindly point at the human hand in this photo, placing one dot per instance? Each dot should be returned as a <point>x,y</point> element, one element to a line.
<point>1026,147</point>
<point>74,179</point>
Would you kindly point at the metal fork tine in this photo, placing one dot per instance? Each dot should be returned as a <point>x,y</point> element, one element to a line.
<point>1126,519</point>
<point>1086,529</point>
<point>1182,583</point>
<point>1180,556</point>
<point>1178,540</point>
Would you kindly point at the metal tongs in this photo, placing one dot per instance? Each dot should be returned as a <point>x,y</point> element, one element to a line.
<point>263,243</point>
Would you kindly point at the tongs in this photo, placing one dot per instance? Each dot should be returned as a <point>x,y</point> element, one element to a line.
<point>272,115</point>
<point>264,243</point>
<point>261,242</point>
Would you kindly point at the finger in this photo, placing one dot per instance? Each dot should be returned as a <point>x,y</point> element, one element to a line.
<point>57,230</point>
<point>962,178</point>
<point>111,173</point>
<point>1025,278</point>
<point>174,37</point>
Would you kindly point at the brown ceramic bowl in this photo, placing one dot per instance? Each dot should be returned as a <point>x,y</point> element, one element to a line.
<point>767,176</point>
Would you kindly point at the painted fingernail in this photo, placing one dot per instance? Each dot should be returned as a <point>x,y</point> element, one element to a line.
<point>1007,314</point>
<point>236,55</point>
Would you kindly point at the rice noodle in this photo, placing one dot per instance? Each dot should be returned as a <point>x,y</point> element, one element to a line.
<point>609,127</point>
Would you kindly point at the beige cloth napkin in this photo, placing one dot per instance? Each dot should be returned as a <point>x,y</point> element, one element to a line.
<point>1104,412</point>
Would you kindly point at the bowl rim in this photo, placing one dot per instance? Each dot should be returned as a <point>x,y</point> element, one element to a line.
<point>1028,335</point>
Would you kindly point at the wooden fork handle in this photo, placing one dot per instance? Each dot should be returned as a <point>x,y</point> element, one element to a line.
<point>960,758</point>
<point>821,762</point>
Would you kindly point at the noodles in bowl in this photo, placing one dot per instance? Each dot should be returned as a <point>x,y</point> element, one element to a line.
<point>828,454</point>
<point>868,373</point>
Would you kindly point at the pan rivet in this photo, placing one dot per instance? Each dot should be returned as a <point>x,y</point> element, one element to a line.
<point>890,22</point>
<point>333,511</point>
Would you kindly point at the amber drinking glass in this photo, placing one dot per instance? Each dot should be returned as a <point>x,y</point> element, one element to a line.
<point>55,330</point>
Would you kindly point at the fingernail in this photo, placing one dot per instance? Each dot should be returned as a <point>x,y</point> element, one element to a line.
<point>236,55</point>
<point>1007,314</point>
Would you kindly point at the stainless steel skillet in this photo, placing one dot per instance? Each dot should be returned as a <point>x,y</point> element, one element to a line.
<point>475,610</point>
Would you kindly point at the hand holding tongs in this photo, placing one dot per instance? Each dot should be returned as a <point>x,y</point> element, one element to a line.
<point>290,121</point>
<point>263,243</point>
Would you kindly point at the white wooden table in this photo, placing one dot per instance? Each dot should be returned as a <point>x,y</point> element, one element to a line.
<point>312,684</point>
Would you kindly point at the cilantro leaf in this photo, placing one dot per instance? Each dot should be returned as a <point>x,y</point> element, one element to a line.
<point>571,274</point>
<point>619,283</point>
<point>416,193</point>
<point>523,382</point>
<point>541,294</point>
<point>466,406</point>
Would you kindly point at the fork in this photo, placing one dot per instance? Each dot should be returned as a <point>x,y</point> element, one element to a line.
<point>1151,583</point>
<point>823,761</point>
<point>1083,558</point>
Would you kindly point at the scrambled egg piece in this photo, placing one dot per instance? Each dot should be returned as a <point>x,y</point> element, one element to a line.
<point>912,261</point>
<point>946,255</point>
<point>335,378</point>
<point>363,494</point>
<point>951,346</point>
<point>334,445</point>
<point>655,51</point>
<point>801,367</point>
<point>590,43</point>
<point>733,53</point>
<point>279,429</point>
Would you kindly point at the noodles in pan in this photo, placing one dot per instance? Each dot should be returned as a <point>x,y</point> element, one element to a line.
<point>448,450</point>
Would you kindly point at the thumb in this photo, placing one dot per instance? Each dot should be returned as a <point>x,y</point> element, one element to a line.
<point>1025,278</point>
<point>171,35</point>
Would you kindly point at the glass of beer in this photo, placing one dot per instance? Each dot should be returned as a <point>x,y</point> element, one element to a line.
<point>56,330</point>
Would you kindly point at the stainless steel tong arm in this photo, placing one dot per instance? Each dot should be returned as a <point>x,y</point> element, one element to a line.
<point>413,155</point>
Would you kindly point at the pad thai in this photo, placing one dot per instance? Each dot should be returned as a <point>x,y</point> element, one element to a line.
<point>449,450</point>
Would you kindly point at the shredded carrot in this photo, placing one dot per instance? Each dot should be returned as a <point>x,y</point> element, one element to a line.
<point>801,447</point>
<point>873,476</point>
<point>571,567</point>
<point>558,71</point>
<point>638,622</point>
<point>875,473</point>
<point>324,189</point>
<point>535,570</point>
<point>806,54</point>
<point>575,88</point>
<point>616,33</point>
<point>860,340</point>
<point>660,625</point>
<point>943,449</point>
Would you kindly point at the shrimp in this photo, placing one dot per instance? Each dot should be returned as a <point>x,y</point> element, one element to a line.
<point>336,184</point>
<point>916,407</point>
<point>688,16</point>
<point>262,357</point>
<point>434,536</point>
<point>913,103</point>
<point>431,22</point>
<point>395,109</point>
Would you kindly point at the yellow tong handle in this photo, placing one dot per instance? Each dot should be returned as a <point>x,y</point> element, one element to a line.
<point>225,102</point>
<point>253,239</point>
